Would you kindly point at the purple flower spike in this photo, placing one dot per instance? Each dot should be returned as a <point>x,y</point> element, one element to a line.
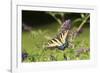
<point>66,25</point>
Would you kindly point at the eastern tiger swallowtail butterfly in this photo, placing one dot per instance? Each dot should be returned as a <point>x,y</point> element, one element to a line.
<point>60,41</point>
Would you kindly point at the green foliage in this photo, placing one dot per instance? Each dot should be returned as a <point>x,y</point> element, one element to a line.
<point>33,45</point>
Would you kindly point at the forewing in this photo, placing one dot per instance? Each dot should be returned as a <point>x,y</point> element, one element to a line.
<point>54,43</point>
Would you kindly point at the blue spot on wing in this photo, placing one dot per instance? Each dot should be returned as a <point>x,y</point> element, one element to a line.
<point>63,46</point>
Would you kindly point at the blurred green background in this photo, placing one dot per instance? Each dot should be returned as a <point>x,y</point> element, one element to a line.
<point>40,26</point>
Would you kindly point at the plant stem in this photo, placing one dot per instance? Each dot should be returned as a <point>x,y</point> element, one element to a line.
<point>58,20</point>
<point>84,21</point>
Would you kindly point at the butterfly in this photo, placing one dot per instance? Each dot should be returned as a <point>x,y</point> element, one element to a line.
<point>60,41</point>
